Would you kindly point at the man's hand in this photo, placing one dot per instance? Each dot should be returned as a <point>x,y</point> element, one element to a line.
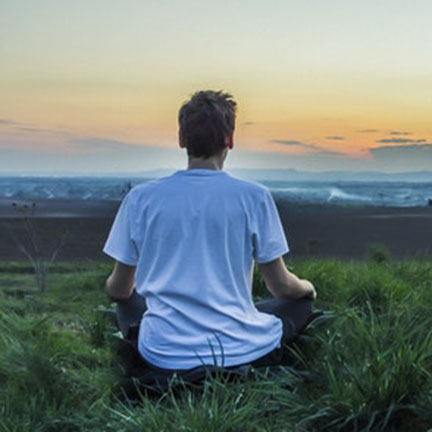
<point>282,283</point>
<point>309,289</point>
<point>120,284</point>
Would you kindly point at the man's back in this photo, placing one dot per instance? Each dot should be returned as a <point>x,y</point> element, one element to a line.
<point>193,237</point>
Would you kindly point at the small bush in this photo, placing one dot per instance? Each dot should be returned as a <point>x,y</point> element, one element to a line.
<point>378,254</point>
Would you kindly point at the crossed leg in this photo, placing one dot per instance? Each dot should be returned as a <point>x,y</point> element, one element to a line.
<point>295,315</point>
<point>130,312</point>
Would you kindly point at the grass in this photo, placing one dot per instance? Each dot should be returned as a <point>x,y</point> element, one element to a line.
<point>368,368</point>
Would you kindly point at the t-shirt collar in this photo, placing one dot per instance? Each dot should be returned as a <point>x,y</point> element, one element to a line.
<point>199,172</point>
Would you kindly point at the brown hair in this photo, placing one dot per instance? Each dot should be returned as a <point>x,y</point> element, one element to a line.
<point>205,120</point>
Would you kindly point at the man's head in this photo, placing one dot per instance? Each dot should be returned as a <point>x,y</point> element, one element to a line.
<point>207,122</point>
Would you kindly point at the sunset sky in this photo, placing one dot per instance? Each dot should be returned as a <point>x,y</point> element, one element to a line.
<point>94,86</point>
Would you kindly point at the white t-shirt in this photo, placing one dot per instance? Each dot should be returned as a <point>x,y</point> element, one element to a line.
<point>194,237</point>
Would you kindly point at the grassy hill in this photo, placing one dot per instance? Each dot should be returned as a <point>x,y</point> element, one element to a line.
<point>367,368</point>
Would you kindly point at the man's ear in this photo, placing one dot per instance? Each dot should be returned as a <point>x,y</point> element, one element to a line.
<point>180,140</point>
<point>230,141</point>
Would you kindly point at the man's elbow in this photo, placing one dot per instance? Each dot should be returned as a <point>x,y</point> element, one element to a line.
<point>113,293</point>
<point>108,287</point>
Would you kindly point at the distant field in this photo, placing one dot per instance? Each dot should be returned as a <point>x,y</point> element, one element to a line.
<point>368,368</point>
<point>312,230</point>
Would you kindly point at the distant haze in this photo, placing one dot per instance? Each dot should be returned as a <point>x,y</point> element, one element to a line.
<point>132,159</point>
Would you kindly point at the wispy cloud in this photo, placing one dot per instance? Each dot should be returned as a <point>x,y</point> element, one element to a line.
<point>36,129</point>
<point>314,149</point>
<point>327,153</point>
<point>89,154</point>
<point>291,143</point>
<point>405,152</point>
<point>28,129</point>
<point>7,122</point>
<point>335,138</point>
<point>404,133</point>
<point>97,144</point>
<point>25,127</point>
<point>401,141</point>
<point>368,131</point>
<point>403,157</point>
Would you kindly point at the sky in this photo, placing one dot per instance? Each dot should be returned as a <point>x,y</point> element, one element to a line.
<point>95,86</point>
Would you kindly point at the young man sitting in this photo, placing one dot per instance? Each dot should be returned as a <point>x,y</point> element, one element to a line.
<point>185,247</point>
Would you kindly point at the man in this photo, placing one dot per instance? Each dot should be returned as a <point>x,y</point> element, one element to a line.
<point>185,247</point>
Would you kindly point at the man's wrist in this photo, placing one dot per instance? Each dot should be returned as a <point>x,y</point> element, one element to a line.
<point>309,289</point>
<point>118,299</point>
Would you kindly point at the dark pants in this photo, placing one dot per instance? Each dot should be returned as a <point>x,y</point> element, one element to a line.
<point>295,314</point>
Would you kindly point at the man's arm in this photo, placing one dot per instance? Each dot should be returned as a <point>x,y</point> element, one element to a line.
<point>121,283</point>
<point>282,283</point>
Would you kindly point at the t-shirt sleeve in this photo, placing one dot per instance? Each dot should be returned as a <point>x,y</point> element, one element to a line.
<point>120,244</point>
<point>268,238</point>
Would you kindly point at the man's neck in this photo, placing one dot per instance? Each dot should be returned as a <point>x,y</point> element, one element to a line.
<point>210,163</point>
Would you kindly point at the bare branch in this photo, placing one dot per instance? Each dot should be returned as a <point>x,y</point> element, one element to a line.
<point>33,251</point>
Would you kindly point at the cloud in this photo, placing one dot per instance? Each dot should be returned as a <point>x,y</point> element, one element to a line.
<point>122,152</point>
<point>103,145</point>
<point>99,145</point>
<point>315,161</point>
<point>28,129</point>
<point>401,141</point>
<point>403,157</point>
<point>335,138</point>
<point>296,143</point>
<point>368,131</point>
<point>18,126</point>
<point>314,149</point>
<point>327,153</point>
<point>414,149</point>
<point>7,122</point>
<point>35,129</point>
<point>90,155</point>
<point>400,133</point>
<point>289,142</point>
